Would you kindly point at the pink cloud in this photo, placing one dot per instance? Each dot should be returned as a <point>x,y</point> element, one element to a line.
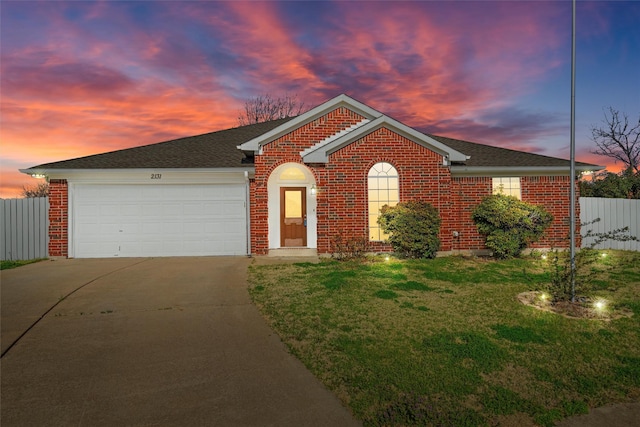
<point>109,80</point>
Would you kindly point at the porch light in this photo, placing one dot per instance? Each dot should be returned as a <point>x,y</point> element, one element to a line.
<point>314,189</point>
<point>38,175</point>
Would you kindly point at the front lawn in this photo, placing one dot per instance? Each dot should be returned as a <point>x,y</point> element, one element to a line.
<point>446,342</point>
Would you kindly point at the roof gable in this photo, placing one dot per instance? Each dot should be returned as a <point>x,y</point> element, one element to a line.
<point>254,145</point>
<point>320,152</point>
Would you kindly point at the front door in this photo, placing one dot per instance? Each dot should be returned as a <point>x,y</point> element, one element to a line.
<point>293,217</point>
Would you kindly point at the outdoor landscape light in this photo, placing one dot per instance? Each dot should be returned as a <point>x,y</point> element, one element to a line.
<point>604,255</point>
<point>544,256</point>
<point>544,297</point>
<point>387,258</point>
<point>600,304</point>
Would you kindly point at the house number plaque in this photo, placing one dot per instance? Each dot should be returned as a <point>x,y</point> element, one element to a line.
<point>156,176</point>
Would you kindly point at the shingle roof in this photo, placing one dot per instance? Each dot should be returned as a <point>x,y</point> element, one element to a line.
<point>219,150</point>
<point>210,150</point>
<point>489,156</point>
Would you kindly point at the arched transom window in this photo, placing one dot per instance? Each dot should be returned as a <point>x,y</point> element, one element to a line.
<point>383,190</point>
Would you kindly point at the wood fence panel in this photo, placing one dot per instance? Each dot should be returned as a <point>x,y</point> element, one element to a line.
<point>614,214</point>
<point>24,228</point>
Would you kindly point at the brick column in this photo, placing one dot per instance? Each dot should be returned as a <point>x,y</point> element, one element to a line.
<point>58,218</point>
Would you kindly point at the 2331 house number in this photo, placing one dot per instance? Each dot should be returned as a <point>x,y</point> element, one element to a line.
<point>156,176</point>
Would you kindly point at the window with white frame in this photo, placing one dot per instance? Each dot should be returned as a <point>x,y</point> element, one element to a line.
<point>509,186</point>
<point>383,189</point>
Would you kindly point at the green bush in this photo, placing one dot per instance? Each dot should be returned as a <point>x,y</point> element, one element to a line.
<point>509,224</point>
<point>412,227</point>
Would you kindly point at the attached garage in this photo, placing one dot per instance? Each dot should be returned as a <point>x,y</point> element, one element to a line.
<point>121,220</point>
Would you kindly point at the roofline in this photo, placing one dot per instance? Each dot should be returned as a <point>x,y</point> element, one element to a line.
<point>321,154</point>
<point>42,172</point>
<point>519,170</point>
<point>341,100</point>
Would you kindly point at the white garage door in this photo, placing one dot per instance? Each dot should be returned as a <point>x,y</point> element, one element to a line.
<point>158,220</point>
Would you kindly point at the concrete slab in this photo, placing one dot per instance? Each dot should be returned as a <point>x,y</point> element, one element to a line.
<point>622,415</point>
<point>165,341</point>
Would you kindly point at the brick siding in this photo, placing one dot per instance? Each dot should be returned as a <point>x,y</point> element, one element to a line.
<point>58,218</point>
<point>342,200</point>
<point>342,205</point>
<point>284,150</point>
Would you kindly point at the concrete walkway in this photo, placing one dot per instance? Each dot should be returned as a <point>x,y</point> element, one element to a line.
<point>163,341</point>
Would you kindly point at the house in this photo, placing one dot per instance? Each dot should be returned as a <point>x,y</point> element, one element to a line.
<point>290,183</point>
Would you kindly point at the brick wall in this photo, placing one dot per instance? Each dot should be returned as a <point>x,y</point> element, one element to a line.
<point>344,203</point>
<point>58,218</point>
<point>342,207</point>
<point>287,149</point>
<point>466,194</point>
<point>552,192</point>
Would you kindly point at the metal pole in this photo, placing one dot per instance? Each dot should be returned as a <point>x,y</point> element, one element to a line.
<point>572,172</point>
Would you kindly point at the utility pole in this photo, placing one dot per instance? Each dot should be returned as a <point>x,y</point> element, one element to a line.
<point>572,204</point>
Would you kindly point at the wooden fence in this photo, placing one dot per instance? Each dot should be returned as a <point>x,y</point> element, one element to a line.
<point>614,214</point>
<point>24,228</point>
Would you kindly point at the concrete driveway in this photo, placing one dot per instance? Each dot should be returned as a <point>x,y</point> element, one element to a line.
<point>155,341</point>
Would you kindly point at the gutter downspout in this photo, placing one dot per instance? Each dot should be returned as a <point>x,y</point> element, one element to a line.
<point>247,205</point>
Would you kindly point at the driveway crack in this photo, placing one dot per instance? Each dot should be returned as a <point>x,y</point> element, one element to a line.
<point>6,350</point>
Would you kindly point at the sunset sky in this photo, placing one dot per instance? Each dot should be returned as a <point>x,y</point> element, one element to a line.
<point>83,77</point>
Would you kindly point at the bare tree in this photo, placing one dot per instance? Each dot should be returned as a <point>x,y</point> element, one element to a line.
<point>618,139</point>
<point>39,190</point>
<point>264,108</point>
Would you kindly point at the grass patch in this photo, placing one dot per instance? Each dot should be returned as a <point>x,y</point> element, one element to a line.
<point>411,286</point>
<point>445,341</point>
<point>518,334</point>
<point>386,294</point>
<point>6,265</point>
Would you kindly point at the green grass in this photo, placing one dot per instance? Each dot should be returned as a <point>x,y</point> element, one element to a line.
<point>6,265</point>
<point>445,341</point>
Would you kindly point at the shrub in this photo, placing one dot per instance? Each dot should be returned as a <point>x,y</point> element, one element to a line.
<point>509,224</point>
<point>412,227</point>
<point>566,281</point>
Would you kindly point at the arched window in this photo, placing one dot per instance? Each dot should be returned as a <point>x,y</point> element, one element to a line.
<point>383,190</point>
<point>292,173</point>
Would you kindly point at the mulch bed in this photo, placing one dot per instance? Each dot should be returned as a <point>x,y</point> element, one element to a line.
<point>582,308</point>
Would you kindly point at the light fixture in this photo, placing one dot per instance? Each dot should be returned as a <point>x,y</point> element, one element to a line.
<point>314,189</point>
<point>38,175</point>
<point>544,256</point>
<point>600,304</point>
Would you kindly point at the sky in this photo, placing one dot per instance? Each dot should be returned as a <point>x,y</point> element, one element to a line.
<point>85,77</point>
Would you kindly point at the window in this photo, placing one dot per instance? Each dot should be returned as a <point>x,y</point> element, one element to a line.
<point>383,190</point>
<point>509,186</point>
<point>292,174</point>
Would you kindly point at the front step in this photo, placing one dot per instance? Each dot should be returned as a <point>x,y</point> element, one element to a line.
<point>293,252</point>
